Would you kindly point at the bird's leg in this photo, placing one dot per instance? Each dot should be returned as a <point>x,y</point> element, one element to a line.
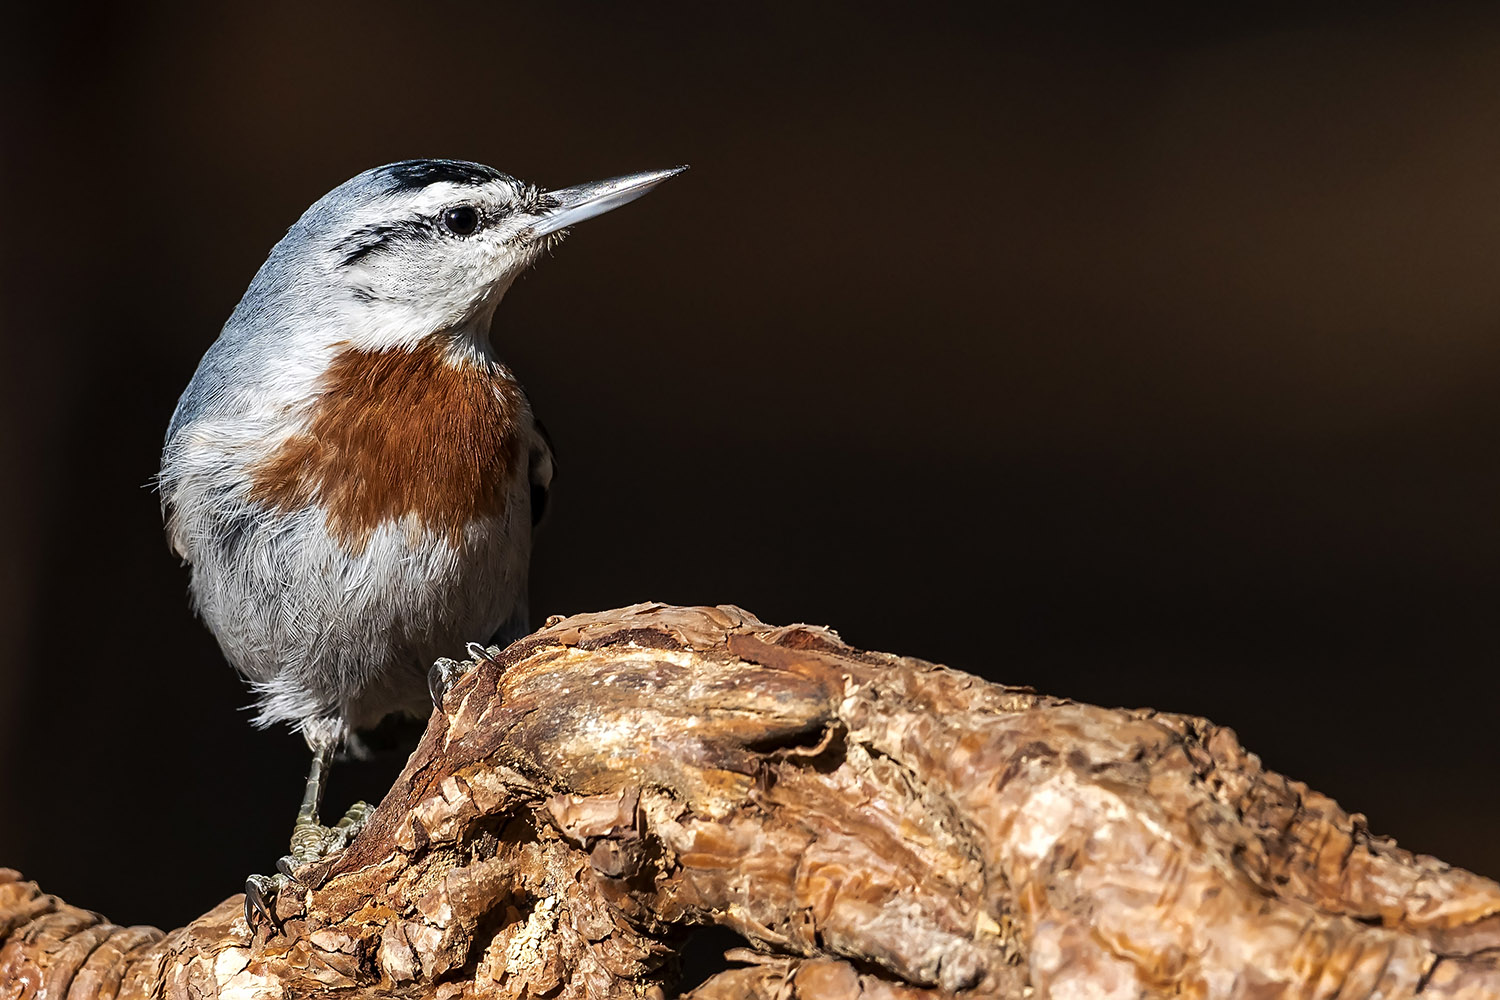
<point>311,841</point>
<point>307,835</point>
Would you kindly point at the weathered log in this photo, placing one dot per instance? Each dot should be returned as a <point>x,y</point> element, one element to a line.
<point>871,825</point>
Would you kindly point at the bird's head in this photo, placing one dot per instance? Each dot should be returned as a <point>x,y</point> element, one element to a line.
<point>419,247</point>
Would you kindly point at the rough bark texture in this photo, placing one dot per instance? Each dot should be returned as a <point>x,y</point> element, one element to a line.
<point>871,825</point>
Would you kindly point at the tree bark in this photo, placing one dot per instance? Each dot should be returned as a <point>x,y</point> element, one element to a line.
<point>871,825</point>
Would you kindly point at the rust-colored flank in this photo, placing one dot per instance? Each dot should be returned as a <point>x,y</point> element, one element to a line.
<point>400,432</point>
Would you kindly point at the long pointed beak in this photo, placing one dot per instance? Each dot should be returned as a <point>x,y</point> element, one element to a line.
<point>569,205</point>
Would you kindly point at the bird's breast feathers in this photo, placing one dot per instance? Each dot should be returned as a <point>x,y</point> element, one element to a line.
<point>397,433</point>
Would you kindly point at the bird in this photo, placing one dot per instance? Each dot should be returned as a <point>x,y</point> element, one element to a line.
<point>352,474</point>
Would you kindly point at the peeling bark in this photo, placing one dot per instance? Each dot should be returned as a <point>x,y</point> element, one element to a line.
<point>873,826</point>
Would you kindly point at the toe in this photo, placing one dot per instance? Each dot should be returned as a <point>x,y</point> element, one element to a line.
<point>442,675</point>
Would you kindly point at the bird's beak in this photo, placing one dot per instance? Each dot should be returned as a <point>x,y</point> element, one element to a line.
<point>565,206</point>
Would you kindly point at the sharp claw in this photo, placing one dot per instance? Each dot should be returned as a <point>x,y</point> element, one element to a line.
<point>285,866</point>
<point>446,670</point>
<point>438,679</point>
<point>256,901</point>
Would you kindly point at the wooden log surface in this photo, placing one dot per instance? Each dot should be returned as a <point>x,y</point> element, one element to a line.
<point>871,825</point>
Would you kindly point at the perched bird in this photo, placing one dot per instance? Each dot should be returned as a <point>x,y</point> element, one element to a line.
<point>352,473</point>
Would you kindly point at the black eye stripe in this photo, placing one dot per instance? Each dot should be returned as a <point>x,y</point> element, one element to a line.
<point>462,220</point>
<point>377,238</point>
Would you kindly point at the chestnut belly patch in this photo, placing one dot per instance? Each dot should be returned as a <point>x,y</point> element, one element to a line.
<point>400,432</point>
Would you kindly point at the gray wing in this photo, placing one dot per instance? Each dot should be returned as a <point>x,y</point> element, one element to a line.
<point>202,391</point>
<point>206,384</point>
<point>542,466</point>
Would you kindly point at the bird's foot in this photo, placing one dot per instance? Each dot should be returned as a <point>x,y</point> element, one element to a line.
<point>311,842</point>
<point>441,677</point>
<point>446,671</point>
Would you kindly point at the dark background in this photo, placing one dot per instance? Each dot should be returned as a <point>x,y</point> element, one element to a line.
<point>1137,353</point>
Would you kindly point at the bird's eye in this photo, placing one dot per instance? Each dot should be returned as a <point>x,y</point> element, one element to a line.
<point>461,220</point>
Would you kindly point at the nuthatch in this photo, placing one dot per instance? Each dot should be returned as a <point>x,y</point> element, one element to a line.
<point>352,473</point>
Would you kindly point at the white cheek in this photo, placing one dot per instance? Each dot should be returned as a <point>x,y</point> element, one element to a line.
<point>411,298</point>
